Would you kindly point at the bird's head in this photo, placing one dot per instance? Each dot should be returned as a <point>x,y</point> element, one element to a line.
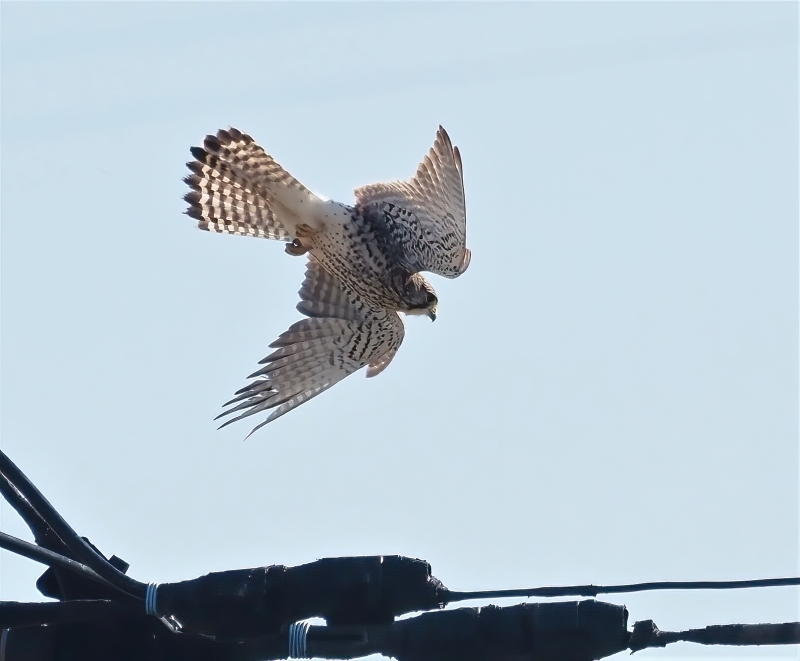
<point>420,296</point>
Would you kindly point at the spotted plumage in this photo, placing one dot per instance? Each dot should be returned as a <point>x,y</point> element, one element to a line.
<point>364,260</point>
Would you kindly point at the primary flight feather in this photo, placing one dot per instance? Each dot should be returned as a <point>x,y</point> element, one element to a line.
<point>364,260</point>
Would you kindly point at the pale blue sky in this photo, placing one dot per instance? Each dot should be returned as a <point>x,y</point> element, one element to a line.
<point>609,394</point>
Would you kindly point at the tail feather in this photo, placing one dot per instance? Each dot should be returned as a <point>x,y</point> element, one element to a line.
<point>222,200</point>
<point>245,191</point>
<point>242,153</point>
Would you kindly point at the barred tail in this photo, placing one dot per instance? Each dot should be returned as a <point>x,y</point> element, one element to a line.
<point>229,191</point>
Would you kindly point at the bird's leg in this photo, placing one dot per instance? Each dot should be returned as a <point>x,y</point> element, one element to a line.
<point>303,231</point>
<point>295,248</point>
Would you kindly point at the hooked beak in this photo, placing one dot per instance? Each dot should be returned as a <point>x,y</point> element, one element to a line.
<point>432,314</point>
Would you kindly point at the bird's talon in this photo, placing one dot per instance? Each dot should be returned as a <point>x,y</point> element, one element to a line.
<point>295,248</point>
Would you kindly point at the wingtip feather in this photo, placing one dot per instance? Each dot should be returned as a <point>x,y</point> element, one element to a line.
<point>257,427</point>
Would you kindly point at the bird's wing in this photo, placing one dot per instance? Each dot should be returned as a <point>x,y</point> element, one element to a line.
<point>340,338</point>
<point>321,295</point>
<point>429,210</point>
<point>233,183</point>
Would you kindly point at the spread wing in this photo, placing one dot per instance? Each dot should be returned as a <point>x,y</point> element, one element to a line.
<point>431,208</point>
<point>340,337</point>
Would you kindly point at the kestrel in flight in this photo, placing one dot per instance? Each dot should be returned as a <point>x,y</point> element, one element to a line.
<point>364,259</point>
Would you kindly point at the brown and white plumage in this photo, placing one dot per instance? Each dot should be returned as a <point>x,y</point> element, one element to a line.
<point>338,339</point>
<point>229,196</point>
<point>434,197</point>
<point>364,260</point>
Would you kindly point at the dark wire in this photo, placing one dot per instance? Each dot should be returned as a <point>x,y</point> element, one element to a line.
<point>25,497</point>
<point>50,558</point>
<point>14,614</point>
<point>37,525</point>
<point>594,590</point>
<point>79,548</point>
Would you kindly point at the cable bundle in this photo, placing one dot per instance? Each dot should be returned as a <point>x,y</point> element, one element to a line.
<point>260,613</point>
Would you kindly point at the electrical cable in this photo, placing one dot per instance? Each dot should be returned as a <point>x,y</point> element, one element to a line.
<point>49,558</point>
<point>83,553</point>
<point>594,590</point>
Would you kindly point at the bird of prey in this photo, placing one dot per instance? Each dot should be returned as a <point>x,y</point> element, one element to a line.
<point>364,259</point>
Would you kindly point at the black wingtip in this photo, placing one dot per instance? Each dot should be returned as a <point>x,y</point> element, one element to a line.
<point>247,388</point>
<point>445,137</point>
<point>261,372</point>
<point>254,430</point>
